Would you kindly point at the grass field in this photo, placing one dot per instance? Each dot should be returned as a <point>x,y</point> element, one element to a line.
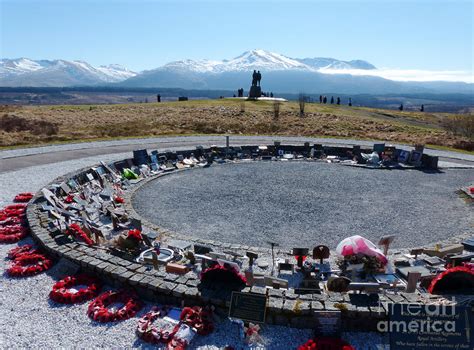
<point>31,125</point>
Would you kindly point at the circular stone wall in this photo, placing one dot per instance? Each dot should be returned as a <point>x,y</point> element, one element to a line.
<point>307,203</point>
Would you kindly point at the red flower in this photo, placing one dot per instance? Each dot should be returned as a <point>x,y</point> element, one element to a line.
<point>135,234</point>
<point>76,231</point>
<point>119,199</point>
<point>69,199</point>
<point>225,274</point>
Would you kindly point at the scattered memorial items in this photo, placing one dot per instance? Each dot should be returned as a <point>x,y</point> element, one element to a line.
<point>224,275</point>
<point>441,252</point>
<point>201,250</point>
<point>98,309</point>
<point>338,284</point>
<point>358,245</point>
<point>321,252</point>
<point>76,231</point>
<point>252,257</point>
<point>286,266</point>
<point>249,307</point>
<point>273,245</point>
<point>176,268</point>
<point>151,333</point>
<point>416,251</point>
<point>198,318</point>
<point>300,255</point>
<point>469,244</point>
<point>412,278</point>
<point>459,279</point>
<point>26,265</point>
<point>66,291</point>
<point>385,242</point>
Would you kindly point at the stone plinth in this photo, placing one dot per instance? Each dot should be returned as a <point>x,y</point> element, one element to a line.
<point>255,91</point>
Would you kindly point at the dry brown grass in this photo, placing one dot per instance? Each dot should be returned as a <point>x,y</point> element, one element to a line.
<point>45,124</point>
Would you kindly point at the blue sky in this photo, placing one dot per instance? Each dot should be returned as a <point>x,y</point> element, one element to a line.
<point>407,34</point>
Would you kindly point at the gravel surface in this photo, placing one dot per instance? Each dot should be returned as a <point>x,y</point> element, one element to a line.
<point>28,319</point>
<point>307,203</point>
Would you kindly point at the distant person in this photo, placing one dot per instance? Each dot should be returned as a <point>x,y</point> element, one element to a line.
<point>401,107</point>
<point>254,78</point>
<point>338,102</point>
<point>422,109</point>
<point>325,99</point>
<point>332,100</point>
<point>259,77</point>
<point>350,102</point>
<point>158,98</point>
<point>320,98</point>
<point>271,94</point>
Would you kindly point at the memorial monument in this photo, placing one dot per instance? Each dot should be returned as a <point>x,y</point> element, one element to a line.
<point>255,89</point>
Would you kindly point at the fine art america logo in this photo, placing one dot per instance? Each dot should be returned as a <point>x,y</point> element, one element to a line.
<point>426,326</point>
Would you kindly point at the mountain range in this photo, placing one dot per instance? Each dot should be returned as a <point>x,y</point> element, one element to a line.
<point>279,74</point>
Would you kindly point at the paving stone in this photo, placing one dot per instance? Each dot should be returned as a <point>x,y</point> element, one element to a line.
<point>136,278</point>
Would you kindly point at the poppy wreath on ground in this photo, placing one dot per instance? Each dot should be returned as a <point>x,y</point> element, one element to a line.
<point>69,199</point>
<point>29,265</point>
<point>98,308</point>
<point>198,318</point>
<point>63,293</point>
<point>13,234</point>
<point>150,333</point>
<point>453,279</point>
<point>76,231</point>
<point>225,274</point>
<point>23,197</point>
<point>16,252</point>
<point>10,221</point>
<point>326,344</point>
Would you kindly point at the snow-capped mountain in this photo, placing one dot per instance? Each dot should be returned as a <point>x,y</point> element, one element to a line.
<point>262,60</point>
<point>27,72</point>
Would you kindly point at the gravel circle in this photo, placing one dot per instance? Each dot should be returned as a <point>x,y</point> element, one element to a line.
<point>300,203</point>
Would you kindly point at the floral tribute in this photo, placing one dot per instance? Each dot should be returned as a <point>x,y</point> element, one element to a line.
<point>64,293</point>
<point>98,309</point>
<point>149,332</point>
<point>29,264</point>
<point>326,344</point>
<point>454,278</point>
<point>11,223</point>
<point>23,197</point>
<point>136,235</point>
<point>21,250</point>
<point>76,231</point>
<point>119,200</point>
<point>198,318</point>
<point>223,274</point>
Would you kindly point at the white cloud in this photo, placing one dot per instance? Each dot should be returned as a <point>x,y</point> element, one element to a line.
<point>408,74</point>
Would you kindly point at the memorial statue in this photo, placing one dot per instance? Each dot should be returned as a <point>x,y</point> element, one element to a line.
<point>255,90</point>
